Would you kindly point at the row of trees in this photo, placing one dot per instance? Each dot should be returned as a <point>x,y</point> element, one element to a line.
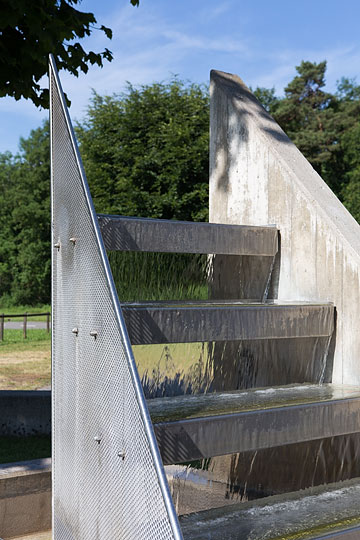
<point>324,126</point>
<point>146,153</point>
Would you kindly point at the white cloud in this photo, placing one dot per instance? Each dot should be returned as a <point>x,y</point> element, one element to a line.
<point>147,49</point>
<point>214,12</point>
<point>341,61</point>
<point>184,41</point>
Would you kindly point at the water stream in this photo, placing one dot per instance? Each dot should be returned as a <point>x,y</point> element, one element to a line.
<point>250,477</point>
<point>225,480</point>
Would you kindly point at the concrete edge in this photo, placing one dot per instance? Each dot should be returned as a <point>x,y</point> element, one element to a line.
<point>25,498</point>
<point>298,167</point>
<point>258,175</point>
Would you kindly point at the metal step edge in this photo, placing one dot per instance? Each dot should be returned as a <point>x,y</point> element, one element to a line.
<point>188,428</point>
<point>352,533</point>
<point>318,513</point>
<point>122,233</point>
<point>179,322</point>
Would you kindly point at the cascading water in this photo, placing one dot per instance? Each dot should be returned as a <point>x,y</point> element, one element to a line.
<point>249,364</point>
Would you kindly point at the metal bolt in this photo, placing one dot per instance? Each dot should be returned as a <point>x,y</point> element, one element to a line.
<point>93,333</point>
<point>121,455</point>
<point>73,240</point>
<point>57,245</point>
<point>97,438</point>
<point>75,331</point>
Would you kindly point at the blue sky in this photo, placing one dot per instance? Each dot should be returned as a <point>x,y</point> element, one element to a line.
<point>261,41</point>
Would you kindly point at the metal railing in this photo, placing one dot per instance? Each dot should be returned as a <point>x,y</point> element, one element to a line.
<point>25,317</point>
<point>108,479</point>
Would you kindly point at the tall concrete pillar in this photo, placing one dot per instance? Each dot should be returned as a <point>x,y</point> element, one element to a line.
<point>259,177</point>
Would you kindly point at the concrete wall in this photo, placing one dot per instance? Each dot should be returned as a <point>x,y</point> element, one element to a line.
<point>258,177</point>
<point>25,412</point>
<point>25,488</point>
<point>25,497</point>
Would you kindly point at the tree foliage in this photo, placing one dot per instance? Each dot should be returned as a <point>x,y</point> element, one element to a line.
<point>25,221</point>
<point>30,30</point>
<point>323,126</point>
<point>309,116</point>
<point>350,192</point>
<point>267,97</point>
<point>146,151</point>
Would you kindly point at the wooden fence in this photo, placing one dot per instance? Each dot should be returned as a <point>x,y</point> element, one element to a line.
<point>25,317</point>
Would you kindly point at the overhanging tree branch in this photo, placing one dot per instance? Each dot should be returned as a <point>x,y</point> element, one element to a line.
<point>30,30</point>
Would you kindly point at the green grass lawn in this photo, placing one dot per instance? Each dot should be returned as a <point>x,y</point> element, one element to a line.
<point>20,310</point>
<point>14,339</point>
<point>25,364</point>
<point>170,358</point>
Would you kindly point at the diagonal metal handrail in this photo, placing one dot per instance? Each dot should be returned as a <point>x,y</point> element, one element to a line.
<point>90,350</point>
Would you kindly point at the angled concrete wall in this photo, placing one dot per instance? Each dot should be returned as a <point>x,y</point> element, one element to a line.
<point>259,177</point>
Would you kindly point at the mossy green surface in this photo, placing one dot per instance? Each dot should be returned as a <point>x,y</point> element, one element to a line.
<point>315,532</point>
<point>14,449</point>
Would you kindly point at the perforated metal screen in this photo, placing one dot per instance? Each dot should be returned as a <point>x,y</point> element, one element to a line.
<point>108,479</point>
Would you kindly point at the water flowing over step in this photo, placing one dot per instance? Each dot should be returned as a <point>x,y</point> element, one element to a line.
<point>160,235</point>
<point>322,512</point>
<point>178,322</point>
<point>201,426</point>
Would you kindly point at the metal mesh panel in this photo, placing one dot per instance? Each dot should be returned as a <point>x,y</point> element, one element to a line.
<point>108,479</point>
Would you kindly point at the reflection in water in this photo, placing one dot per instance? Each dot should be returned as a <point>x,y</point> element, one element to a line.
<point>269,362</point>
<point>226,480</point>
<point>207,484</point>
<point>178,369</point>
<point>166,370</point>
<point>247,476</point>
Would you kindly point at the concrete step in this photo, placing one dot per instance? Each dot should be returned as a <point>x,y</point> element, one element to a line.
<point>201,426</point>
<point>190,321</point>
<point>324,512</point>
<point>25,498</point>
<point>45,535</point>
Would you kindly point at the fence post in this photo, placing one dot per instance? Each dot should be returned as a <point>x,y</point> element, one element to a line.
<point>2,319</point>
<point>48,322</point>
<point>25,324</point>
